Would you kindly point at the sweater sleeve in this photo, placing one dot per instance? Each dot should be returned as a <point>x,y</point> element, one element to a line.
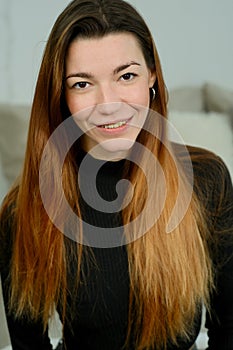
<point>219,321</point>
<point>24,334</point>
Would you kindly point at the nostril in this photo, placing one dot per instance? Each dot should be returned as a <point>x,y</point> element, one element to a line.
<point>108,107</point>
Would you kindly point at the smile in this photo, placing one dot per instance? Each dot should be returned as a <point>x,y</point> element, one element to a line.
<point>114,126</point>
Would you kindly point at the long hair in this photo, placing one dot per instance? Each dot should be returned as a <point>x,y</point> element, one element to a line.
<point>165,290</point>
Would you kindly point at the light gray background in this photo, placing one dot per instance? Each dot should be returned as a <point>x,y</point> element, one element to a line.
<point>194,39</point>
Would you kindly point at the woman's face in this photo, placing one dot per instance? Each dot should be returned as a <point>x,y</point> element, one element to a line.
<point>107,90</point>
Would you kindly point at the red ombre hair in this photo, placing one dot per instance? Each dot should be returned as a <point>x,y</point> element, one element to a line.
<point>165,291</point>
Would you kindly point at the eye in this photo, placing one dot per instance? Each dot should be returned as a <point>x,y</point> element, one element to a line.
<point>128,76</point>
<point>81,85</point>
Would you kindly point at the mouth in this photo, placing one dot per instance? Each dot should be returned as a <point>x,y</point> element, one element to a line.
<point>114,125</point>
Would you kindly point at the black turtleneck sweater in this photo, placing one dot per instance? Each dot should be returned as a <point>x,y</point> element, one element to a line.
<point>98,313</point>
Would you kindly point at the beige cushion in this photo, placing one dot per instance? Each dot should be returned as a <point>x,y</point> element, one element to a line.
<point>218,99</point>
<point>189,98</point>
<point>3,184</point>
<point>208,130</point>
<point>14,120</point>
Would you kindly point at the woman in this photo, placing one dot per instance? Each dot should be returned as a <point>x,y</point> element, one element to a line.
<point>145,289</point>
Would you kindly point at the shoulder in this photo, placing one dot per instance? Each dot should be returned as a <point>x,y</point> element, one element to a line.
<point>205,164</point>
<point>211,178</point>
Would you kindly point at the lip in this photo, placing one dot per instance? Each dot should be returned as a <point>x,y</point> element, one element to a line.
<point>117,130</point>
<point>100,125</point>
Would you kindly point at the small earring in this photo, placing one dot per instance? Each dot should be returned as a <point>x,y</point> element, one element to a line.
<point>153,94</point>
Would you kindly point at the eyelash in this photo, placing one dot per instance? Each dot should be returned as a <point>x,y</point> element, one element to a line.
<point>78,84</point>
<point>133,75</point>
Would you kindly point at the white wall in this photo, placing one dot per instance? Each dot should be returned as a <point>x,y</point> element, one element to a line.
<point>193,38</point>
<point>25,25</point>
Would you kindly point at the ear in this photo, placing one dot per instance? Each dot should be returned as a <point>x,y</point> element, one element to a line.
<point>152,79</point>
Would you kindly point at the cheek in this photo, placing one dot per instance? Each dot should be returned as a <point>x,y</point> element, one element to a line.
<point>71,102</point>
<point>80,111</point>
<point>77,103</point>
<point>140,95</point>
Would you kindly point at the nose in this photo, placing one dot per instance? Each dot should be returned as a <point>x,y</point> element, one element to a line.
<point>108,101</point>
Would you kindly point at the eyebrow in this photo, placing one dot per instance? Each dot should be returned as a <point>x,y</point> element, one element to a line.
<point>125,66</point>
<point>80,75</point>
<point>116,71</point>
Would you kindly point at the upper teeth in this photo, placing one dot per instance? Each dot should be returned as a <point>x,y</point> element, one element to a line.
<point>113,126</point>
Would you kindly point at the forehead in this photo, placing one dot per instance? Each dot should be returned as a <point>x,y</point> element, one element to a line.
<point>110,50</point>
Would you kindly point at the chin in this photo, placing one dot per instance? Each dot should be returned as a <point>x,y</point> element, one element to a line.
<point>117,145</point>
<point>112,149</point>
